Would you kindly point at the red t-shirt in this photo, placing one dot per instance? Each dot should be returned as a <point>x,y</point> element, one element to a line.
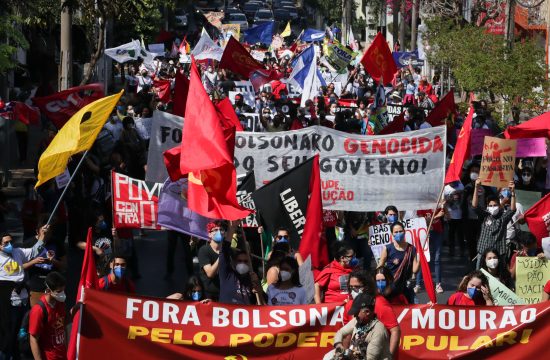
<point>547,287</point>
<point>334,281</point>
<point>459,298</point>
<point>51,336</point>
<point>124,286</point>
<point>382,309</point>
<point>399,299</point>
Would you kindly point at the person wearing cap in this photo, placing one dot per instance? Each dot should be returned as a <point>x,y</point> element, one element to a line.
<point>209,260</point>
<point>369,339</point>
<point>239,106</point>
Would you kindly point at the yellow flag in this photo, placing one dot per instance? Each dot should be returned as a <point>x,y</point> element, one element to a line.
<point>286,31</point>
<point>77,135</point>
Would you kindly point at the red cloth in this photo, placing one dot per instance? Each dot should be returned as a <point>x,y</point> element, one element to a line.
<point>314,242</point>
<point>237,59</point>
<point>547,287</point>
<point>396,126</point>
<point>536,127</point>
<point>296,125</point>
<point>437,224</point>
<point>26,114</point>
<point>462,150</point>
<point>535,218</point>
<point>52,336</point>
<point>227,115</point>
<point>442,110</point>
<point>181,89</point>
<point>459,298</point>
<point>378,60</point>
<point>333,280</point>
<point>207,156</point>
<point>426,272</point>
<point>172,161</point>
<point>399,300</point>
<point>123,286</point>
<point>382,309</point>
<point>162,88</point>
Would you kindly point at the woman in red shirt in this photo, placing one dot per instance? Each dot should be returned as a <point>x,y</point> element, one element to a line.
<point>385,287</point>
<point>472,291</point>
<point>331,285</point>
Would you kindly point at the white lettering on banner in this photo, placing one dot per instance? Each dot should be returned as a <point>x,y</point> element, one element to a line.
<point>291,206</point>
<point>415,230</point>
<point>358,173</point>
<point>244,87</point>
<point>466,319</point>
<point>57,105</point>
<point>253,122</point>
<point>185,313</point>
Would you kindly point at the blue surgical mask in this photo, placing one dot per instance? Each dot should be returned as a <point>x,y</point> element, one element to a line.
<point>119,272</point>
<point>218,237</point>
<point>103,225</point>
<point>381,285</point>
<point>196,295</point>
<point>284,239</point>
<point>532,252</point>
<point>472,292</point>
<point>399,236</point>
<point>353,262</point>
<point>8,249</point>
<point>392,218</point>
<point>505,193</point>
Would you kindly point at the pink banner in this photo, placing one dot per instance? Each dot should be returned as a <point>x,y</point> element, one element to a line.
<point>526,147</point>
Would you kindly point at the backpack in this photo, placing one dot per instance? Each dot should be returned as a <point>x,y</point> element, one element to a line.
<point>23,336</point>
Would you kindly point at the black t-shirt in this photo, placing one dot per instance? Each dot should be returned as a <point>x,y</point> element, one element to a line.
<point>207,256</point>
<point>38,272</point>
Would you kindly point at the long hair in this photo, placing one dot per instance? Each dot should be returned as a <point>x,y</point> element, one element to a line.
<point>365,279</point>
<point>463,286</point>
<point>192,283</point>
<point>502,270</point>
<point>293,264</point>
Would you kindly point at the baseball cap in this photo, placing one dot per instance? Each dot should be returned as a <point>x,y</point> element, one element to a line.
<point>362,301</point>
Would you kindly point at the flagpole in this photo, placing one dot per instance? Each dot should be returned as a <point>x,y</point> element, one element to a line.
<point>66,187</point>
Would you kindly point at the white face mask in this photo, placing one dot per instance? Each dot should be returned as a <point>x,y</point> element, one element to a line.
<point>526,178</point>
<point>60,297</point>
<point>355,293</point>
<point>474,176</point>
<point>492,263</point>
<point>242,268</point>
<point>493,210</point>
<point>285,275</point>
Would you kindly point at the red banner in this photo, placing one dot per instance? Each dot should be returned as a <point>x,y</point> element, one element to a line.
<point>147,328</point>
<point>135,202</point>
<point>59,107</point>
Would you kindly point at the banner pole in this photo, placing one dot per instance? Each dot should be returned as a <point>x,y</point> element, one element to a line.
<point>66,187</point>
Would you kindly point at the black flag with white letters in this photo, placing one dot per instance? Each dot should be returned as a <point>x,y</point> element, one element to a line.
<point>283,202</point>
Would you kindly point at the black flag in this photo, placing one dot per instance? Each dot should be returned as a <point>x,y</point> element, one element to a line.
<point>283,202</point>
<point>246,184</point>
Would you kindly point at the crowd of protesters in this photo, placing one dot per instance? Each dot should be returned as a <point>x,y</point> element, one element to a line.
<point>479,224</point>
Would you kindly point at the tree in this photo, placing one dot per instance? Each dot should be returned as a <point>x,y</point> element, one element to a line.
<point>12,39</point>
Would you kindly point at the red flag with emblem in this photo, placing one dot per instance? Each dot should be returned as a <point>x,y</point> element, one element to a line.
<point>378,60</point>
<point>537,218</point>
<point>462,150</point>
<point>237,59</point>
<point>207,157</point>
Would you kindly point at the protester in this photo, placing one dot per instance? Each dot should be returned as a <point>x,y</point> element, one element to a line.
<point>288,290</point>
<point>13,294</point>
<point>209,260</point>
<point>435,243</point>
<point>194,291</point>
<point>117,280</point>
<point>528,247</point>
<point>47,321</point>
<point>473,290</point>
<point>369,339</point>
<point>400,258</point>
<point>385,286</point>
<point>331,283</point>
<point>281,249</point>
<point>494,222</point>
<point>471,220</point>
<point>495,265</point>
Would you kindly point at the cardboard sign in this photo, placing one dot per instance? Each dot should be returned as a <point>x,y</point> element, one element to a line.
<point>502,296</point>
<point>498,162</point>
<point>532,274</point>
<point>63,180</point>
<point>531,147</point>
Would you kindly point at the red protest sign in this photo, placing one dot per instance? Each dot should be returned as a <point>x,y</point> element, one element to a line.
<point>147,328</point>
<point>135,202</point>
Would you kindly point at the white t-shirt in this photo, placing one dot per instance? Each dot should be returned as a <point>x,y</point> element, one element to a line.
<point>292,296</point>
<point>11,267</point>
<point>511,229</point>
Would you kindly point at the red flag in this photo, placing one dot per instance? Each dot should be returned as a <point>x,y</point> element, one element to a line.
<point>88,280</point>
<point>162,87</point>
<point>207,157</point>
<point>536,127</point>
<point>237,59</point>
<point>59,107</point>
<point>378,60</point>
<point>26,114</point>
<point>462,150</point>
<point>227,115</point>
<point>181,89</point>
<point>442,110</point>
<point>538,218</point>
<point>313,241</point>
<point>426,273</point>
<point>396,126</point>
<point>172,161</point>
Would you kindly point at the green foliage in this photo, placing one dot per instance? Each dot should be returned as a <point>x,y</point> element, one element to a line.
<point>13,39</point>
<point>330,9</point>
<point>482,62</point>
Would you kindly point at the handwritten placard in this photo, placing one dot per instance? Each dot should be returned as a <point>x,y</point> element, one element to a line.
<point>502,296</point>
<point>531,275</point>
<point>498,162</point>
